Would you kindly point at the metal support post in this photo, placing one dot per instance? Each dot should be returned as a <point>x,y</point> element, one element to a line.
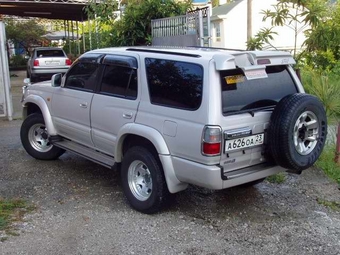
<point>78,42</point>
<point>82,29</point>
<point>96,31</point>
<point>68,38</point>
<point>75,45</point>
<point>90,35</point>
<point>65,29</point>
<point>209,25</point>
<point>337,151</point>
<point>5,84</point>
<point>249,19</point>
<point>201,31</point>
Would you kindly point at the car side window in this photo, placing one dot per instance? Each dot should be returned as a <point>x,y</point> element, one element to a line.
<point>82,76</point>
<point>174,83</point>
<point>120,81</point>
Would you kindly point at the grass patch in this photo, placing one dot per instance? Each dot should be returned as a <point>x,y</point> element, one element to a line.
<point>327,164</point>
<point>276,178</point>
<point>12,210</point>
<point>331,204</point>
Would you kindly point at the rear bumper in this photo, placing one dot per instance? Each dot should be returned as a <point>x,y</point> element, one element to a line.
<point>213,177</point>
<point>48,71</point>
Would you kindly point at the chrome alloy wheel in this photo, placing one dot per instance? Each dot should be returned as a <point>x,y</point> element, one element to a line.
<point>306,133</point>
<point>140,181</point>
<point>38,138</point>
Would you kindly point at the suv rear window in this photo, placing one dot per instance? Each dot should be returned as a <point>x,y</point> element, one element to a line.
<point>50,53</point>
<point>174,84</point>
<point>239,94</point>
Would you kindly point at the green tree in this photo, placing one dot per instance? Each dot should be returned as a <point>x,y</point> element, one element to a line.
<point>298,15</point>
<point>216,2</point>
<point>102,12</point>
<point>24,33</point>
<point>322,44</point>
<point>134,26</point>
<point>264,36</point>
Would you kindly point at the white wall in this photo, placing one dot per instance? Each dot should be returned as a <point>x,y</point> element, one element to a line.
<point>235,27</point>
<point>217,42</point>
<point>285,37</point>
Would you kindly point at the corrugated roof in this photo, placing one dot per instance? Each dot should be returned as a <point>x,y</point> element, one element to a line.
<point>224,9</point>
<point>49,9</point>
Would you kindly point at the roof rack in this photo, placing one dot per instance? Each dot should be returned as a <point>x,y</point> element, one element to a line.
<point>214,48</point>
<point>165,52</point>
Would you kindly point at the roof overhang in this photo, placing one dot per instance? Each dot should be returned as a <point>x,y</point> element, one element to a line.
<point>218,17</point>
<point>49,9</point>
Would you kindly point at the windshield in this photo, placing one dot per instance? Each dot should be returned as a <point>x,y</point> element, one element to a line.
<point>239,94</point>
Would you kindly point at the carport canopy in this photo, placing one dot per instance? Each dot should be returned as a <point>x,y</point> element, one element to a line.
<point>48,9</point>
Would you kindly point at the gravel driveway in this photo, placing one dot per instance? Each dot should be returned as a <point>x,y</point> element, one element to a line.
<point>81,210</point>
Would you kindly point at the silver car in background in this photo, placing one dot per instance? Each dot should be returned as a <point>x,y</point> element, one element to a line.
<point>46,61</point>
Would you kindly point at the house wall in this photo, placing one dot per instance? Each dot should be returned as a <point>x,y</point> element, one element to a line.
<point>234,27</point>
<point>218,42</point>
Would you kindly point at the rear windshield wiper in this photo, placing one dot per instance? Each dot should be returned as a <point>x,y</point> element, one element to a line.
<point>250,111</point>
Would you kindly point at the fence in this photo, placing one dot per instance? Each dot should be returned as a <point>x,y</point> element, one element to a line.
<point>191,29</point>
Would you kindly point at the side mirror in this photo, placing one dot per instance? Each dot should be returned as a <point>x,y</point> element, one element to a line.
<point>27,81</point>
<point>56,80</point>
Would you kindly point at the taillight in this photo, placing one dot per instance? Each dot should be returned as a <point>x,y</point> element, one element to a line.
<point>211,141</point>
<point>68,62</point>
<point>36,62</point>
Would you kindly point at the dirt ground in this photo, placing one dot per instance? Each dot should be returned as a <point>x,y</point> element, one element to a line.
<point>81,210</point>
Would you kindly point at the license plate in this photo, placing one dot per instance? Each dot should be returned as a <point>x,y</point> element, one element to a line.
<point>244,142</point>
<point>51,63</point>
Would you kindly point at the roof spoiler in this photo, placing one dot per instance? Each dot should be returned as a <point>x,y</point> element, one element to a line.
<point>252,58</point>
<point>253,63</point>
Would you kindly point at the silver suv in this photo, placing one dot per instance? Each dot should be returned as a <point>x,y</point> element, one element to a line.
<point>172,117</point>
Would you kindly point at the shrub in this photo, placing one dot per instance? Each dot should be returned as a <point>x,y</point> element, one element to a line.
<point>325,86</point>
<point>327,164</point>
<point>18,60</point>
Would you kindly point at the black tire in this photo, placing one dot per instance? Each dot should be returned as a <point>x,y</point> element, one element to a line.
<point>287,142</point>
<point>159,193</point>
<point>33,138</point>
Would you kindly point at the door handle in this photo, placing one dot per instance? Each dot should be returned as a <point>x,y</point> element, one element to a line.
<point>83,105</point>
<point>127,115</point>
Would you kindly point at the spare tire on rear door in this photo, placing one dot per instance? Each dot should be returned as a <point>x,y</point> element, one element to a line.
<point>297,131</point>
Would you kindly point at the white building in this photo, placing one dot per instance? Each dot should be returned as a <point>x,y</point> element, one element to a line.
<point>229,25</point>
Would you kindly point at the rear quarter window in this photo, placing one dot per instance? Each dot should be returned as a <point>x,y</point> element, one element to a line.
<point>239,94</point>
<point>174,83</point>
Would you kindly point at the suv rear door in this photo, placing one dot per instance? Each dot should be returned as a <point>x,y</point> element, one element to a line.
<point>247,106</point>
<point>116,101</point>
